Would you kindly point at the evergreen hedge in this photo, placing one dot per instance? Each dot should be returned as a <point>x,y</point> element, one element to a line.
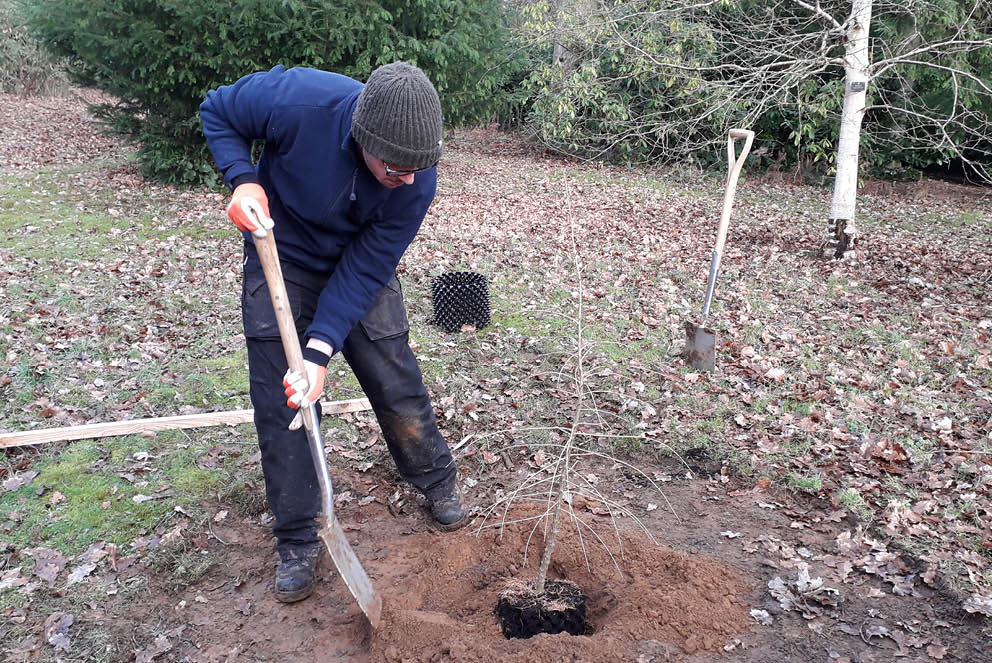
<point>159,58</point>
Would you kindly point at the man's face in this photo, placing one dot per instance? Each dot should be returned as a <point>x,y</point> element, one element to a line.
<point>378,168</point>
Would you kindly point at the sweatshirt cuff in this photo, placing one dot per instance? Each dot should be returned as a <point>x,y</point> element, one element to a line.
<point>316,356</point>
<point>241,179</point>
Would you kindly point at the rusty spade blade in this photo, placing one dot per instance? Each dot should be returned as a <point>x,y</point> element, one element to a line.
<point>700,347</point>
<point>700,341</point>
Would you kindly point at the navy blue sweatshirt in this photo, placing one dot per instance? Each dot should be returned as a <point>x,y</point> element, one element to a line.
<point>331,215</point>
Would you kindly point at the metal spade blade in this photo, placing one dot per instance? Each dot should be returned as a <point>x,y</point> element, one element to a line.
<point>700,347</point>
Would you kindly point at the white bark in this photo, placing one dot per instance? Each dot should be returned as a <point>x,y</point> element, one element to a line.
<point>857,60</point>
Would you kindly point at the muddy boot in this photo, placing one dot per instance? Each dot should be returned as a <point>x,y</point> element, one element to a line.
<point>447,509</point>
<point>295,574</point>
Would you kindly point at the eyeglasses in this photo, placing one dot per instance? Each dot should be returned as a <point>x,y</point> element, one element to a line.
<point>392,172</point>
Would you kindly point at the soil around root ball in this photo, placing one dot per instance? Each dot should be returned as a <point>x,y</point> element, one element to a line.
<point>561,608</point>
<point>439,598</point>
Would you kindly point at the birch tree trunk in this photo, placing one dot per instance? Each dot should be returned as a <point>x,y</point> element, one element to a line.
<point>843,232</point>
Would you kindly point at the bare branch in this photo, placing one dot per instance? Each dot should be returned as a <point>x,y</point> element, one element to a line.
<point>894,62</point>
<point>946,47</point>
<point>818,10</point>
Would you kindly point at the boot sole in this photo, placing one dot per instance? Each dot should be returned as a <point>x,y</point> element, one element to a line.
<point>293,597</point>
<point>457,525</point>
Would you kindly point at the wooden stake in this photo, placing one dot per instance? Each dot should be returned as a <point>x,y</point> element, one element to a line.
<point>139,426</point>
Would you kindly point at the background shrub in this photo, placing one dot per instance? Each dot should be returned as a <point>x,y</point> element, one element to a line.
<point>159,58</point>
<point>25,68</point>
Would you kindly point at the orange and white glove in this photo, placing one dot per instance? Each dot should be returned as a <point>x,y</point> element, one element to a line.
<point>249,209</point>
<point>302,390</point>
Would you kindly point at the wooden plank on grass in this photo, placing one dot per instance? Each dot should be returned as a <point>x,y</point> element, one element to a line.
<point>139,426</point>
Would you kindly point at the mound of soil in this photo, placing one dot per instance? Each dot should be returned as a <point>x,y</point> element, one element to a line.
<point>441,607</point>
<point>440,592</point>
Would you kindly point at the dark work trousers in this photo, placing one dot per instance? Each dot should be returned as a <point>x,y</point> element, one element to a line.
<point>378,353</point>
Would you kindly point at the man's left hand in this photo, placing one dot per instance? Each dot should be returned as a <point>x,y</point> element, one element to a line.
<point>302,390</point>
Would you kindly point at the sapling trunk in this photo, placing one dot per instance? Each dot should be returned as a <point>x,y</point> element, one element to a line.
<point>561,489</point>
<point>549,544</point>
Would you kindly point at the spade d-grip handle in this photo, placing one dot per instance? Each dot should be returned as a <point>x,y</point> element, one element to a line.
<point>734,163</point>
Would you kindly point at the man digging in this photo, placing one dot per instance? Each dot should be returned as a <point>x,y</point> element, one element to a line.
<point>346,176</point>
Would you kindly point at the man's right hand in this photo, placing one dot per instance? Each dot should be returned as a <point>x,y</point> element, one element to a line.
<point>249,209</point>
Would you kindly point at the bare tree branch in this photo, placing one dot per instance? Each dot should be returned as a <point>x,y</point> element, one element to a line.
<point>818,11</point>
<point>946,47</point>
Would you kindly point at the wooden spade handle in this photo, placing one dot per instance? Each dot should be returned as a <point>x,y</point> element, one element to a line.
<point>734,165</point>
<point>269,257</point>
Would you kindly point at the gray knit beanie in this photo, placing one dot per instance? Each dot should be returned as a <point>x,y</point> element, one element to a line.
<point>398,117</point>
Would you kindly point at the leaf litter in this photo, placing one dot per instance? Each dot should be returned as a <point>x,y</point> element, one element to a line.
<point>869,385</point>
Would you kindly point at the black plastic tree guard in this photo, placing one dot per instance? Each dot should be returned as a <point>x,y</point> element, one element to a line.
<point>460,298</point>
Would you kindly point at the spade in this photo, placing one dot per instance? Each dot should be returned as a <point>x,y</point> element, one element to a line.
<point>700,341</point>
